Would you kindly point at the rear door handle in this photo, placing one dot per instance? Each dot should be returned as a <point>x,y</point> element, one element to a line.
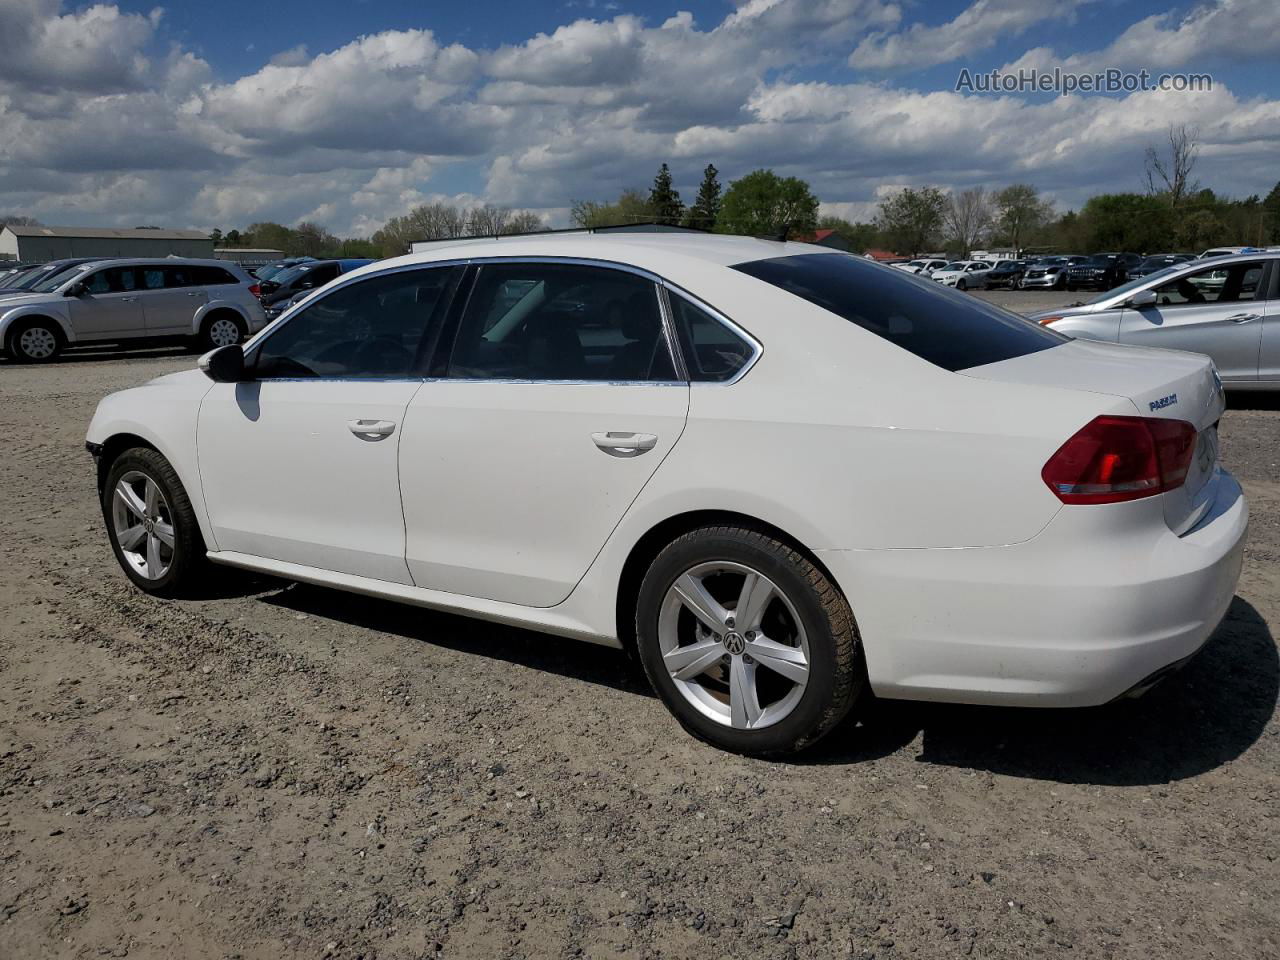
<point>128,299</point>
<point>371,429</point>
<point>1243,317</point>
<point>618,444</point>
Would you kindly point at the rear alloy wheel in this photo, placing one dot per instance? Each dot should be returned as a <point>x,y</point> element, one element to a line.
<point>35,341</point>
<point>151,524</point>
<point>747,642</point>
<point>221,330</point>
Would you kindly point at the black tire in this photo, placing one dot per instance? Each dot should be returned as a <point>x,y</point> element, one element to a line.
<point>961,285</point>
<point>836,671</point>
<point>43,330</point>
<point>188,566</point>
<point>205,342</point>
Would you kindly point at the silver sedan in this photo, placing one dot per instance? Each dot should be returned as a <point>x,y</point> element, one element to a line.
<point>1227,308</point>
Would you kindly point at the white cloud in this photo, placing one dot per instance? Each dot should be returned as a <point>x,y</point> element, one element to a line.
<point>112,124</point>
<point>973,30</point>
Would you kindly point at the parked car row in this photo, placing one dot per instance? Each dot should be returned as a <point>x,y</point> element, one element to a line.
<point>210,303</point>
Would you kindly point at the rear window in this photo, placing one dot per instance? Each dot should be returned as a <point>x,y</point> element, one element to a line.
<point>951,330</point>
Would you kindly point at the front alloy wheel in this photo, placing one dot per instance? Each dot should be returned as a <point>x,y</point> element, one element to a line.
<point>746,641</point>
<point>151,524</point>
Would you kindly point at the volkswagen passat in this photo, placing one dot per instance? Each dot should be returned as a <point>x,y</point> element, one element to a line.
<point>784,476</point>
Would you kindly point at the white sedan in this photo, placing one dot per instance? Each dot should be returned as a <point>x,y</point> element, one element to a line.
<point>784,476</point>
<point>964,274</point>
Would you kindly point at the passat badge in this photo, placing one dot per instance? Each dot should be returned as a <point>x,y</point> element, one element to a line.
<point>1163,402</point>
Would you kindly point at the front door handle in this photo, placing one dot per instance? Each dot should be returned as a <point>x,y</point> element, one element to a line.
<point>618,444</point>
<point>1243,317</point>
<point>128,299</point>
<point>371,429</point>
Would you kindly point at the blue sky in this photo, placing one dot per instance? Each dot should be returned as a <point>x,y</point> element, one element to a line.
<point>201,114</point>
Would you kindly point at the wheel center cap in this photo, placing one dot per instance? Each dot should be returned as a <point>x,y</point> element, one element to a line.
<point>149,526</point>
<point>734,642</point>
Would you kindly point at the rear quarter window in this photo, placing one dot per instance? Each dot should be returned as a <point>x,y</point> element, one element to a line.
<point>947,328</point>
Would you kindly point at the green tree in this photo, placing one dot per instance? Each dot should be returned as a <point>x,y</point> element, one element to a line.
<point>216,236</point>
<point>1019,213</point>
<point>275,236</point>
<point>311,240</point>
<point>859,236</point>
<point>764,204</point>
<point>234,238</point>
<point>912,218</point>
<point>1271,215</point>
<point>1127,221</point>
<point>632,207</point>
<point>664,199</point>
<point>706,208</point>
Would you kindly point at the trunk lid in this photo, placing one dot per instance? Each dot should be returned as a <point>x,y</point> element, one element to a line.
<point>1168,384</point>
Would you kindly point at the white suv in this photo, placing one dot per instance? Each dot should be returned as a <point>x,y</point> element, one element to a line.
<point>212,302</point>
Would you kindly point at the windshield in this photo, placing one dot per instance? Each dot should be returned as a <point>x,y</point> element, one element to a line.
<point>957,265</point>
<point>290,274</point>
<point>1153,262</point>
<point>24,278</point>
<point>1126,288</point>
<point>57,279</point>
<point>950,330</point>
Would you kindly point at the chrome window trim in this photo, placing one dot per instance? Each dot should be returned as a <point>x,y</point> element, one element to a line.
<point>665,288</point>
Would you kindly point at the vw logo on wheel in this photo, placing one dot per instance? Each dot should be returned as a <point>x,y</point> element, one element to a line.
<point>734,643</point>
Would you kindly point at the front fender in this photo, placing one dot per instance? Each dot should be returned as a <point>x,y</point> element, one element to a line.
<point>163,414</point>
<point>53,312</point>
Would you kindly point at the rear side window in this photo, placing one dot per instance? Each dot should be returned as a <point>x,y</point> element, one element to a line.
<point>211,276</point>
<point>712,352</point>
<point>950,330</point>
<point>557,322</point>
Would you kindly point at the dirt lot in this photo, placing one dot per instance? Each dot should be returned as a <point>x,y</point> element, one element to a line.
<point>278,771</point>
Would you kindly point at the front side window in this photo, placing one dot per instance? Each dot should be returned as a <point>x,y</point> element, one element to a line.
<point>371,329</point>
<point>115,280</point>
<point>1229,284</point>
<point>548,321</point>
<point>712,352</point>
<point>922,317</point>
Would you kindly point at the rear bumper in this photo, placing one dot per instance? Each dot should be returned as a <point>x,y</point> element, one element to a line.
<point>1103,599</point>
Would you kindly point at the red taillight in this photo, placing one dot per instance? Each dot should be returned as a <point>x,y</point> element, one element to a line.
<point>1112,459</point>
<point>255,289</point>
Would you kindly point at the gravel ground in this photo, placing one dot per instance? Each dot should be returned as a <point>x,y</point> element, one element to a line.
<point>279,771</point>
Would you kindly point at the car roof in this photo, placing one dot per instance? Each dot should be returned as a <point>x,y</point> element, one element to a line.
<point>161,262</point>
<point>650,251</point>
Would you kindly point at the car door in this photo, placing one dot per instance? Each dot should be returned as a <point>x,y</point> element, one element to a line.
<point>300,463</point>
<point>556,401</point>
<point>109,306</point>
<point>1211,311</point>
<point>170,298</point>
<point>1269,350</point>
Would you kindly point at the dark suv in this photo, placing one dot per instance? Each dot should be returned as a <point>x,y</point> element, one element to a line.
<point>1102,271</point>
<point>300,278</point>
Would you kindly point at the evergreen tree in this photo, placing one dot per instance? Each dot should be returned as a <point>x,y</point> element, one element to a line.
<point>706,209</point>
<point>1271,208</point>
<point>665,199</point>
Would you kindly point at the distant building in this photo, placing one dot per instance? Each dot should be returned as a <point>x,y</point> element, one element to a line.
<point>824,238</point>
<point>56,243</point>
<point>883,256</point>
<point>249,256</point>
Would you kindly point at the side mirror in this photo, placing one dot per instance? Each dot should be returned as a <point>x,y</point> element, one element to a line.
<point>77,289</point>
<point>1143,298</point>
<point>224,365</point>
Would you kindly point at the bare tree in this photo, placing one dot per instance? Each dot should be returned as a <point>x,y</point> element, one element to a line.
<point>969,215</point>
<point>1172,175</point>
<point>1020,211</point>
